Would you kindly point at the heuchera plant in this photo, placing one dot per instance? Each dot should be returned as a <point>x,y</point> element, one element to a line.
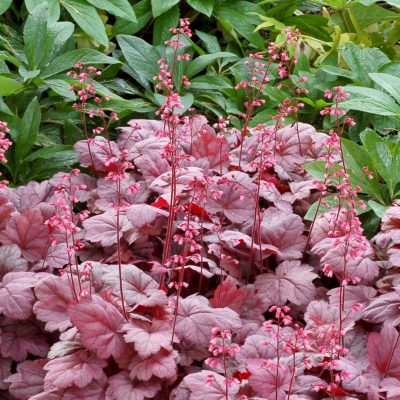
<point>180,266</point>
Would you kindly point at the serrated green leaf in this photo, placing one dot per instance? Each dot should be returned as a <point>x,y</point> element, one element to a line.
<point>169,18</point>
<point>379,209</point>
<point>87,18</point>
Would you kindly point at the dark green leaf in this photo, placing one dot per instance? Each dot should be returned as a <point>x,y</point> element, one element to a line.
<point>202,6</point>
<point>168,19</point>
<point>140,56</point>
<point>48,152</point>
<point>371,101</point>
<point>210,42</point>
<point>119,8</point>
<point>27,130</point>
<point>4,5</point>
<point>161,6</point>
<point>61,87</point>
<point>87,18</point>
<point>9,86</point>
<point>143,14</point>
<point>201,62</point>
<point>390,83</point>
<point>68,60</point>
<point>368,15</point>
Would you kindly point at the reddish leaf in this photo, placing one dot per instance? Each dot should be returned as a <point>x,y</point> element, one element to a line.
<point>149,338</point>
<point>383,352</point>
<point>18,338</point>
<point>384,308</point>
<point>228,295</point>
<point>6,209</point>
<point>11,260</point>
<point>196,319</point>
<point>54,295</point>
<point>79,369</point>
<point>120,386</point>
<point>99,324</point>
<point>16,294</point>
<point>162,365</point>
<point>291,281</point>
<point>210,152</point>
<point>103,228</point>
<point>28,380</point>
<point>234,197</point>
<point>29,233</point>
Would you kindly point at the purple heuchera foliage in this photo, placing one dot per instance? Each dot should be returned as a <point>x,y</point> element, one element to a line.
<point>65,344</point>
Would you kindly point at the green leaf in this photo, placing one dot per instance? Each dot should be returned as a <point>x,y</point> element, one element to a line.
<point>372,101</point>
<point>140,56</point>
<point>331,202</point>
<point>336,71</point>
<point>142,11</point>
<point>268,22</point>
<point>27,130</point>
<point>53,8</point>
<point>68,60</point>
<point>201,62</point>
<point>9,86</point>
<point>379,209</point>
<point>317,169</point>
<point>368,15</point>
<point>238,14</point>
<point>4,5</point>
<point>356,157</point>
<point>363,61</point>
<point>210,42</point>
<point>209,82</point>
<point>87,18</point>
<point>390,83</point>
<point>161,6</point>
<point>382,158</point>
<point>119,8</point>
<point>61,87</point>
<point>202,6</point>
<point>35,30</point>
<point>169,18</point>
<point>48,152</point>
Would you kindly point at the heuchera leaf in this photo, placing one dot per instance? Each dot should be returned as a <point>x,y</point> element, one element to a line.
<point>291,281</point>
<point>266,379</point>
<point>383,352</point>
<point>78,369</point>
<point>121,386</point>
<point>234,197</point>
<point>11,260</point>
<point>100,326</point>
<point>228,295</point>
<point>136,284</point>
<point>16,294</point>
<point>29,233</point>
<point>6,209</point>
<point>215,390</point>
<point>54,295</point>
<point>160,365</point>
<point>28,380</point>
<point>384,308</point>
<point>149,337</point>
<point>211,152</point>
<point>103,228</point>
<point>18,338</point>
<point>196,319</point>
